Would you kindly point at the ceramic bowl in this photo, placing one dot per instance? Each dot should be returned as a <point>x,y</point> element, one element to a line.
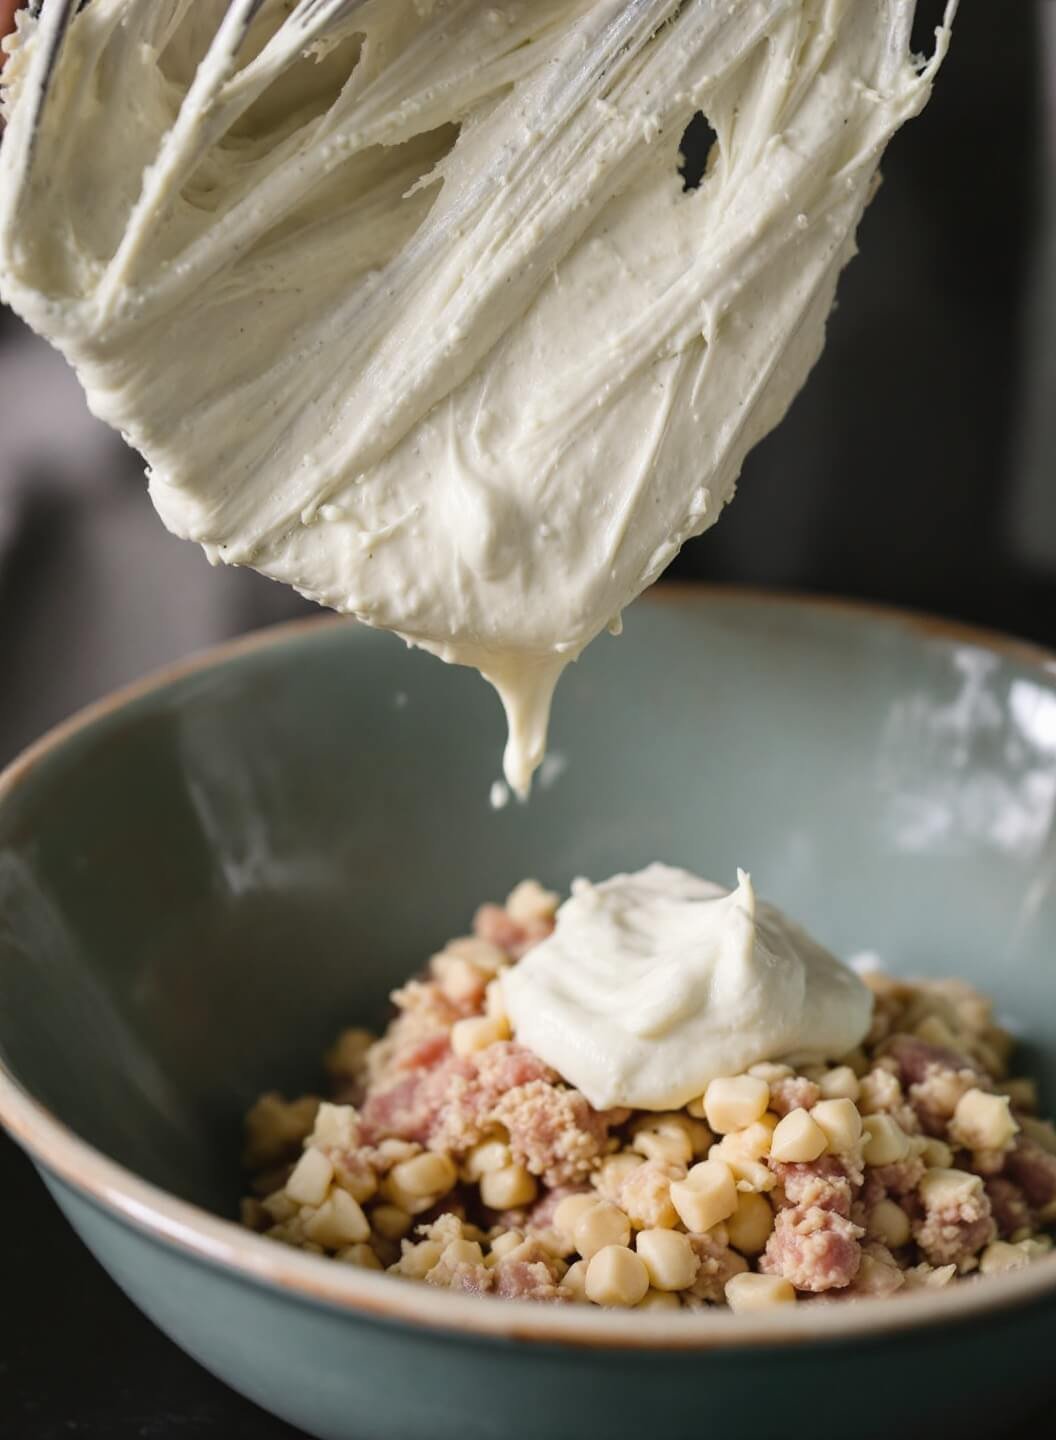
<point>203,878</point>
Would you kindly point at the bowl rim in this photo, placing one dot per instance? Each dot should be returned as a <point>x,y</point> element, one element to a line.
<point>211,1240</point>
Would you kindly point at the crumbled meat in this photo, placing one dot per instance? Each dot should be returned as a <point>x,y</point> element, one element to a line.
<point>645,1194</point>
<point>718,1264</point>
<point>553,1131</point>
<point>899,1179</point>
<point>917,1058</point>
<point>813,1249</point>
<point>1009,1206</point>
<point>494,924</point>
<point>529,1274</point>
<point>1034,1171</point>
<point>795,1092</point>
<point>934,1098</point>
<point>954,1231</point>
<point>830,1183</point>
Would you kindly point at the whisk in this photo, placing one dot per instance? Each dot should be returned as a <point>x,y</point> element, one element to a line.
<point>308,23</point>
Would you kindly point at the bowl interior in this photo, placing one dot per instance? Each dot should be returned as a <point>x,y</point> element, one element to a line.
<point>202,885</point>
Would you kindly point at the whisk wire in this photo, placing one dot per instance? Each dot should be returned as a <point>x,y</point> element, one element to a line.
<point>54,18</point>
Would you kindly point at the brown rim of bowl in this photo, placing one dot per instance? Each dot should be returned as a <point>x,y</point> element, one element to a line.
<point>179,1225</point>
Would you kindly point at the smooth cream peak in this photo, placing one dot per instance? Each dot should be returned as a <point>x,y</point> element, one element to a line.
<point>654,984</point>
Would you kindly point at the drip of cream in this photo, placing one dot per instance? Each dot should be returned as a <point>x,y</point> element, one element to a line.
<point>654,984</point>
<point>415,314</point>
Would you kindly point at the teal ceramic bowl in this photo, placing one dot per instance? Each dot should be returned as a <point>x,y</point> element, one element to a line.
<point>203,878</point>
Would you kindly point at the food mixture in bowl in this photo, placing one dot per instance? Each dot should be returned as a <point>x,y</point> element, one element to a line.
<point>452,1153</point>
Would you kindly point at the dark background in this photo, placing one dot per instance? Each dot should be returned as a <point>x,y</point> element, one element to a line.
<point>915,469</point>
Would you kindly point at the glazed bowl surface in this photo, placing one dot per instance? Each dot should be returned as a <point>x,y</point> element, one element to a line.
<point>204,878</point>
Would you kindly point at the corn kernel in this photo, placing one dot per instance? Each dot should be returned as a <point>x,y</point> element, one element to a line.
<point>571,1210</point>
<point>734,1101</point>
<point>888,1223</point>
<point>508,1188</point>
<point>659,1300</point>
<point>1000,1257</point>
<point>616,1276</point>
<point>754,1141</point>
<point>940,1188</point>
<point>707,1196</point>
<point>481,953</point>
<point>463,1252</point>
<point>280,1206</point>
<point>665,1147</point>
<point>362,1256</point>
<point>669,1257</point>
<point>798,1139</point>
<point>459,979</point>
<point>390,1222</point>
<point>601,1224</point>
<point>575,1280</point>
<point>311,1178</point>
<point>841,1122</point>
<point>749,1292</point>
<point>338,1221</point>
<point>426,1176</point>
<point>886,1142</point>
<point>840,1083</point>
<point>771,1072</point>
<point>336,1125</point>
<point>495,1001</point>
<point>750,1225</point>
<point>936,1154</point>
<point>477,1033</point>
<point>489,1155</point>
<point>417,1260</point>
<point>983,1122</point>
<point>749,1174</point>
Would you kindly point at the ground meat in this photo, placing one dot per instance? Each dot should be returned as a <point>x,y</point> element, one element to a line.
<point>553,1131</point>
<point>1034,1171</point>
<point>814,1249</point>
<point>830,1183</point>
<point>917,1058</point>
<point>541,1214</point>
<point>529,1274</point>
<point>900,1179</point>
<point>449,1104</point>
<point>718,1264</point>
<point>935,1097</point>
<point>470,1279</point>
<point>878,1274</point>
<point>418,1036</point>
<point>494,924</point>
<point>645,1194</point>
<point>1009,1206</point>
<point>795,1092</point>
<point>953,1232</point>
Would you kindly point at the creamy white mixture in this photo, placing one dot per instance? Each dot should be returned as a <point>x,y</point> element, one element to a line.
<point>414,314</point>
<point>656,983</point>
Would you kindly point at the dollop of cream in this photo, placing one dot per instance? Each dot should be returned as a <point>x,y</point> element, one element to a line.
<point>404,301</point>
<point>654,984</point>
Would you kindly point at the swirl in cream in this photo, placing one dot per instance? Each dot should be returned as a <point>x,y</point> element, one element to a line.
<point>654,984</point>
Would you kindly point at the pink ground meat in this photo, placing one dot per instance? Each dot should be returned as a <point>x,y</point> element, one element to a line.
<point>814,1249</point>
<point>793,1093</point>
<point>830,1183</point>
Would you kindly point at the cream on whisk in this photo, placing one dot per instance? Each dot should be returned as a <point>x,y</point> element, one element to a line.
<point>406,305</point>
<point>654,984</point>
